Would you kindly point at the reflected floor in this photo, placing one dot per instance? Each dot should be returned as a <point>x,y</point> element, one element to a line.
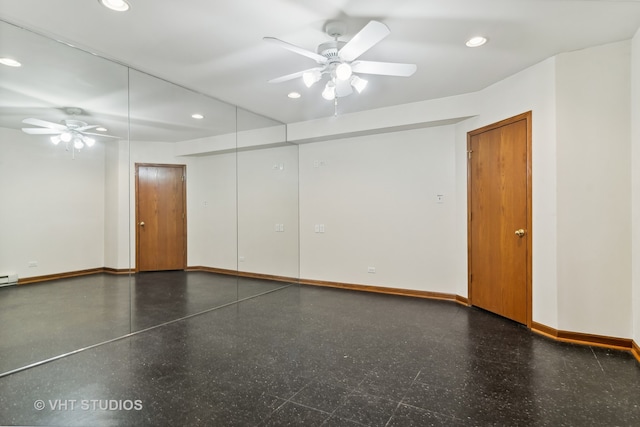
<point>318,356</point>
<point>43,320</point>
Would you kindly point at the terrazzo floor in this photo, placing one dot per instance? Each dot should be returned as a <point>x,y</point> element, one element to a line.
<point>307,356</point>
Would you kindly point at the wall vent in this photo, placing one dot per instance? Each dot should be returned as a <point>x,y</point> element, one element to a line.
<point>8,279</point>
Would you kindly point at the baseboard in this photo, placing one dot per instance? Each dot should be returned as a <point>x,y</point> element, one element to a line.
<point>635,350</point>
<point>587,339</point>
<point>69,274</point>
<point>213,270</point>
<point>121,271</point>
<point>244,274</point>
<point>384,290</point>
<point>66,275</point>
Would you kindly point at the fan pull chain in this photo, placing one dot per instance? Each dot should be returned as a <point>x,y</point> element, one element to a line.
<point>335,106</point>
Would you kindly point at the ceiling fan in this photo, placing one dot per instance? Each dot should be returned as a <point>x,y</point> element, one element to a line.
<point>74,133</point>
<point>339,60</point>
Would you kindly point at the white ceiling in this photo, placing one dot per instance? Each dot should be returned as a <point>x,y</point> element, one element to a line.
<point>216,47</point>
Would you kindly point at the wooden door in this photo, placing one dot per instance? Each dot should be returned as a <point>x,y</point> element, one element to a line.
<point>161,225</point>
<point>499,219</point>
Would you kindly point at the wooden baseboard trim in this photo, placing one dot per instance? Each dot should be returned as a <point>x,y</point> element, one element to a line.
<point>382,290</point>
<point>635,350</point>
<point>462,300</point>
<point>267,277</point>
<point>584,339</point>
<point>66,275</point>
<point>243,274</point>
<point>213,270</point>
<point>120,271</point>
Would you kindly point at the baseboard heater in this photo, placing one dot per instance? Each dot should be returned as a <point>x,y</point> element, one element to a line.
<point>8,279</point>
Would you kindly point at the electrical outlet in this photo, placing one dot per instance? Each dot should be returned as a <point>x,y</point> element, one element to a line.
<point>32,264</point>
<point>371,270</point>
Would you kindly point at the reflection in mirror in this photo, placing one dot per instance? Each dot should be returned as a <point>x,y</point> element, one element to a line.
<point>63,135</point>
<point>267,205</point>
<point>183,218</point>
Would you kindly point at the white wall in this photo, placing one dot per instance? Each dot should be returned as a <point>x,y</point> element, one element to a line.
<point>635,186</point>
<point>594,190</point>
<point>268,195</point>
<point>53,206</point>
<point>214,196</point>
<point>376,196</point>
<point>530,90</point>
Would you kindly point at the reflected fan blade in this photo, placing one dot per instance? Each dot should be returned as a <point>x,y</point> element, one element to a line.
<point>100,134</point>
<point>384,68</point>
<point>83,128</point>
<point>292,76</point>
<point>370,35</point>
<point>40,131</point>
<point>343,88</point>
<point>300,51</point>
<point>44,123</point>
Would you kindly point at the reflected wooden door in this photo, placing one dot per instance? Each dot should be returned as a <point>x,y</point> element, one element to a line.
<point>500,218</point>
<point>161,242</point>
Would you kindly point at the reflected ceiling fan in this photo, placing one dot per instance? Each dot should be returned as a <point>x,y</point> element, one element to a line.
<point>74,133</point>
<point>339,60</point>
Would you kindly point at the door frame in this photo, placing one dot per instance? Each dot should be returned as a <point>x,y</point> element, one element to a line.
<point>184,208</point>
<point>527,116</point>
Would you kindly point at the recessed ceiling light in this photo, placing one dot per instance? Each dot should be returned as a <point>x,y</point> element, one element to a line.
<point>294,95</point>
<point>476,41</point>
<point>117,5</point>
<point>101,129</point>
<point>10,62</point>
<point>197,116</point>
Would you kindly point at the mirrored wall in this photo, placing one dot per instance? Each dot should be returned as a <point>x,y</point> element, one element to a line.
<point>129,201</point>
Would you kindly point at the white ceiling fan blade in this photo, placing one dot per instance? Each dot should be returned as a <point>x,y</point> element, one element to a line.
<point>44,123</point>
<point>83,128</point>
<point>343,88</point>
<point>300,51</point>
<point>292,76</point>
<point>370,35</point>
<point>100,134</point>
<point>40,131</point>
<point>384,68</point>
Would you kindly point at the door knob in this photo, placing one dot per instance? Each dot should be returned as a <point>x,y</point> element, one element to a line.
<point>520,232</point>
<point>142,224</point>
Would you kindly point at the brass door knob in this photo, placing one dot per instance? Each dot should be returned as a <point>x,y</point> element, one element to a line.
<point>520,232</point>
<point>142,224</point>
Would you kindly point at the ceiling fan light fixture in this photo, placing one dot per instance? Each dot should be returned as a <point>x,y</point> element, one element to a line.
<point>329,92</point>
<point>294,95</point>
<point>55,140</point>
<point>9,62</point>
<point>358,83</point>
<point>311,77</point>
<point>88,141</point>
<point>476,41</point>
<point>343,71</point>
<point>117,5</point>
<point>66,136</point>
<point>78,144</point>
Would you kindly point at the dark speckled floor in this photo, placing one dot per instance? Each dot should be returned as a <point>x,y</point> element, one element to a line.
<point>305,356</point>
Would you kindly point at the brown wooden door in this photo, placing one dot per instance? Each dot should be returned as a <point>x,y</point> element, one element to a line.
<point>500,218</point>
<point>161,242</point>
